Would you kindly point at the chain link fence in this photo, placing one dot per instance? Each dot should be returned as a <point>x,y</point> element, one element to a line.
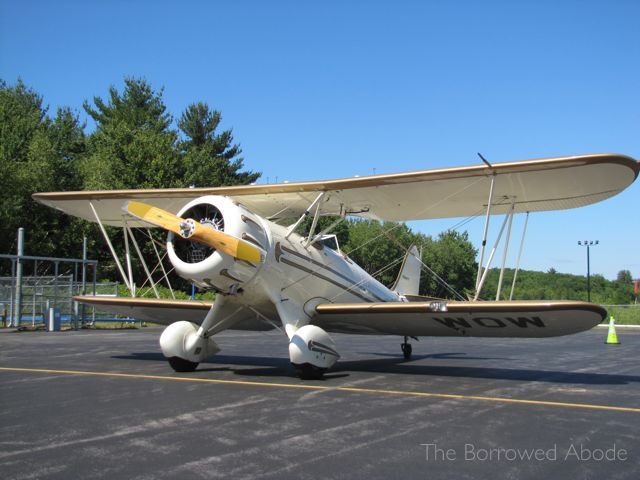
<point>51,283</point>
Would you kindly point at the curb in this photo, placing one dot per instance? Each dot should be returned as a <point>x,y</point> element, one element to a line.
<point>606,325</point>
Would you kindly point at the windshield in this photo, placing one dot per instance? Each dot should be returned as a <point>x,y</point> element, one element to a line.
<point>330,241</point>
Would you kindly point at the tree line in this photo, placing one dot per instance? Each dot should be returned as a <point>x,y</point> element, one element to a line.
<point>138,143</point>
<point>552,285</point>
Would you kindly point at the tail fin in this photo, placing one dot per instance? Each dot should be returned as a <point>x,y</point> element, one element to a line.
<point>408,281</point>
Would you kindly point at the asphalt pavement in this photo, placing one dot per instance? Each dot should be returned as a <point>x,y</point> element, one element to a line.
<point>105,404</point>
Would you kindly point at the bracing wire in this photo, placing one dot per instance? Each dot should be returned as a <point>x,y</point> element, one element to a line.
<point>426,209</point>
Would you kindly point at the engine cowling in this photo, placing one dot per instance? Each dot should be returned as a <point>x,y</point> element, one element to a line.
<point>205,266</point>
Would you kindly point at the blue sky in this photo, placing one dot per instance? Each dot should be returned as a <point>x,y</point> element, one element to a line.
<point>332,89</point>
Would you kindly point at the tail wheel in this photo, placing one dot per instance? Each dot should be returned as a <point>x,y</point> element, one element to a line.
<point>407,349</point>
<point>182,365</point>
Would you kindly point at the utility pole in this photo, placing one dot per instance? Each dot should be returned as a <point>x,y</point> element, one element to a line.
<point>588,244</point>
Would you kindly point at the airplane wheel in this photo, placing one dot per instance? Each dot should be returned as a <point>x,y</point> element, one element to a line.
<point>407,350</point>
<point>309,372</point>
<point>182,365</point>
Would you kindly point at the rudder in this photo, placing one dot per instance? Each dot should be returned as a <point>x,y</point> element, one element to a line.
<point>408,281</point>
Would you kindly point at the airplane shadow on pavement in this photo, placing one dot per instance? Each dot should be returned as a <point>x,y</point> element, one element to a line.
<point>280,367</point>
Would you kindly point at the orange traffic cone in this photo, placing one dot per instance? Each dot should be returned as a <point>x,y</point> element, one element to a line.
<point>612,337</point>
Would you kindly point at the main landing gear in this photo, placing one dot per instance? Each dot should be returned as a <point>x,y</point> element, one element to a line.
<point>407,349</point>
<point>182,365</point>
<point>307,371</point>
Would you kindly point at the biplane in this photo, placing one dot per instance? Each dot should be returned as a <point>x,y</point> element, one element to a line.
<point>242,242</point>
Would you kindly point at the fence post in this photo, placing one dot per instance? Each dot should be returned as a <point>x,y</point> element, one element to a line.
<point>34,285</point>
<point>18,300</point>
<point>12,293</point>
<point>84,277</point>
<point>56,266</point>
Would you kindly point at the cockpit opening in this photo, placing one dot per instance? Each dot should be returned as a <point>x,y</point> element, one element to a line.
<point>330,241</point>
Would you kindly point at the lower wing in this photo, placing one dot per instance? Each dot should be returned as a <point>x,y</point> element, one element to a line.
<point>435,318</point>
<point>472,319</point>
<point>165,312</point>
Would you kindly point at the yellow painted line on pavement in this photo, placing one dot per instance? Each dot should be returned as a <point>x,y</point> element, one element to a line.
<point>334,389</point>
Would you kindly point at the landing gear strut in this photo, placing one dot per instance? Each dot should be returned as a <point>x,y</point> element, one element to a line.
<point>407,349</point>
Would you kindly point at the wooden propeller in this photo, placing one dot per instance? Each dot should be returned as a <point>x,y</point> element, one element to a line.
<point>189,228</point>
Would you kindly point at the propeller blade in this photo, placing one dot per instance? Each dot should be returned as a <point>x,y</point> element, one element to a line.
<point>224,242</point>
<point>155,216</point>
<point>193,230</point>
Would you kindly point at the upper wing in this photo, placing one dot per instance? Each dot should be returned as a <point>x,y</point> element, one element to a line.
<point>534,185</point>
<point>473,319</point>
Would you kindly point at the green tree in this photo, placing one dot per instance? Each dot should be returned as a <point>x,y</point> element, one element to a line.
<point>210,159</point>
<point>621,291</point>
<point>559,286</point>
<point>21,117</point>
<point>624,277</point>
<point>55,151</point>
<point>37,153</point>
<point>139,107</point>
<point>378,247</point>
<point>133,145</point>
<point>452,258</point>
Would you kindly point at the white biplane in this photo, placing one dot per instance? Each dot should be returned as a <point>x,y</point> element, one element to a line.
<point>241,242</point>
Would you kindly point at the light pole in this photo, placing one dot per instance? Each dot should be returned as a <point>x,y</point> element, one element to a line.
<point>588,244</point>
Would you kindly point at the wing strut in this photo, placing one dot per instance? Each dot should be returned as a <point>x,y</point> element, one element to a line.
<point>515,274</point>
<point>314,224</point>
<point>305,214</point>
<point>129,237</point>
<point>144,264</point>
<point>164,272</point>
<point>504,255</point>
<point>127,255</point>
<point>493,251</point>
<point>486,231</point>
<point>113,252</point>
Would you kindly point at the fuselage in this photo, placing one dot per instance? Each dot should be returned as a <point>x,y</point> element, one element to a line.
<point>306,277</point>
<point>315,274</point>
<point>300,275</point>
